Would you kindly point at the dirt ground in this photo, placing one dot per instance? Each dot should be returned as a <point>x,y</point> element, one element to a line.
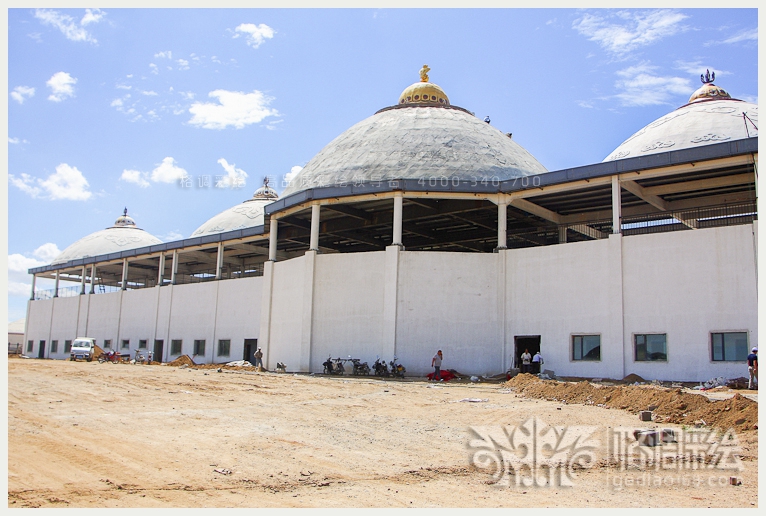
<point>118,435</point>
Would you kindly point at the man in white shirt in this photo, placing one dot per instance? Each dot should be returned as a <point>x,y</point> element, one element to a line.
<point>526,358</point>
<point>436,363</point>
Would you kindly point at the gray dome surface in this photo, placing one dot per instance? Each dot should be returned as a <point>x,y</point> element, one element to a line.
<point>693,125</point>
<point>417,142</point>
<point>110,240</point>
<point>245,215</point>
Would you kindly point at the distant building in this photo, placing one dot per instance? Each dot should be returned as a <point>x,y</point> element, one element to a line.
<point>16,336</point>
<point>422,228</point>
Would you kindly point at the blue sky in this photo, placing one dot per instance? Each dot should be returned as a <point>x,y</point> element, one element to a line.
<point>108,108</point>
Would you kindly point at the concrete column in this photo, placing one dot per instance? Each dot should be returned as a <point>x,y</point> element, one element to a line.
<point>174,268</point>
<point>219,262</point>
<point>390,296</point>
<point>307,316</point>
<point>34,280</point>
<point>563,235</point>
<point>273,227</point>
<point>56,288</point>
<point>502,224</point>
<point>124,282</point>
<point>264,336</point>
<point>160,273</point>
<point>398,204</point>
<point>93,279</point>
<point>314,243</point>
<point>616,205</point>
<point>83,273</point>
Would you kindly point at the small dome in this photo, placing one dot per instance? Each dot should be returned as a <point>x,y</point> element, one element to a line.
<point>122,236</point>
<point>424,92</point>
<point>711,116</point>
<point>245,215</point>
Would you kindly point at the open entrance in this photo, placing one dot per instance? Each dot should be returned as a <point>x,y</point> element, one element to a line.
<point>158,345</point>
<point>250,346</point>
<point>525,342</point>
<point>41,351</point>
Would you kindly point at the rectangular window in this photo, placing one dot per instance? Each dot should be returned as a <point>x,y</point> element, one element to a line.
<point>142,344</point>
<point>67,346</point>
<point>126,344</point>
<point>175,346</point>
<point>729,347</point>
<point>224,347</point>
<point>54,346</point>
<point>30,345</point>
<point>108,344</point>
<point>199,347</point>
<point>586,347</point>
<point>651,347</point>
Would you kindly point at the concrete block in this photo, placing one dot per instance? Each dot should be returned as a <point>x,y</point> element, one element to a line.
<point>645,415</point>
<point>649,438</point>
<point>668,435</point>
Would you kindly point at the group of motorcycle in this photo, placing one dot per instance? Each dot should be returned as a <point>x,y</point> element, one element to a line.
<point>379,368</point>
<point>116,357</point>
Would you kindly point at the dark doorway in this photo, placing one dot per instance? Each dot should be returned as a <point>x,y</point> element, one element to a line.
<point>41,351</point>
<point>522,342</point>
<point>250,346</point>
<point>158,345</point>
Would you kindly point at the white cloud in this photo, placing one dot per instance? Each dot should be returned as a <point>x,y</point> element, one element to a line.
<point>743,35</point>
<point>68,26</point>
<point>234,108</point>
<point>26,184</point>
<point>21,93</point>
<point>16,141</point>
<point>149,93</point>
<point>183,64</point>
<point>116,103</point>
<point>234,178</point>
<point>47,252</point>
<point>123,87</point>
<point>294,171</point>
<point>164,55</point>
<point>641,87</point>
<point>135,176</point>
<point>66,183</point>
<point>17,288</point>
<point>62,86</point>
<point>20,263</point>
<point>254,34</point>
<point>171,236</point>
<point>698,68</point>
<point>154,68</point>
<point>624,31</point>
<point>168,172</point>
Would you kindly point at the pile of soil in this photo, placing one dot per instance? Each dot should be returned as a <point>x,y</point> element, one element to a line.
<point>668,405</point>
<point>182,360</point>
<point>97,351</point>
<point>632,378</point>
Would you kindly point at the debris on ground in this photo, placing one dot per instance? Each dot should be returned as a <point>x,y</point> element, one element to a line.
<point>737,383</point>
<point>446,376</point>
<point>474,400</point>
<point>182,360</point>
<point>223,471</point>
<point>673,405</point>
<point>239,363</point>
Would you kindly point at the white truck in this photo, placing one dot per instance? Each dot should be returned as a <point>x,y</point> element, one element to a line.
<point>83,347</point>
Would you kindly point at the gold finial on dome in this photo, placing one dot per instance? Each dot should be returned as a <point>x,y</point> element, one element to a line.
<point>708,91</point>
<point>265,192</point>
<point>124,220</point>
<point>424,92</point>
<point>424,73</point>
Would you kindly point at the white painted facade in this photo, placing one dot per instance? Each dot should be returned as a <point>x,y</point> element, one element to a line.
<point>685,284</point>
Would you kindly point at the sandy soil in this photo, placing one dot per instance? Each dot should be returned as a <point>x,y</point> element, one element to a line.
<point>112,435</point>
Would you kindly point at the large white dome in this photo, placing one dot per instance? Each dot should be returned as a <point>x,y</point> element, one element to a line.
<point>711,116</point>
<point>120,237</point>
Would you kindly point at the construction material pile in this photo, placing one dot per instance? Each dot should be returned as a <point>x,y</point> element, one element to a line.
<point>668,404</point>
<point>182,360</point>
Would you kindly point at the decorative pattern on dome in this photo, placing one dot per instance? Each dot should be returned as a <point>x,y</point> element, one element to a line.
<point>424,92</point>
<point>709,90</point>
<point>265,192</point>
<point>124,221</point>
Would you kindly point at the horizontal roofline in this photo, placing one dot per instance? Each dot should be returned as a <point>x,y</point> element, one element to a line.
<point>535,181</point>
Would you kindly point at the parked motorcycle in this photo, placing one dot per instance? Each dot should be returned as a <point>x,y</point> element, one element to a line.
<point>360,367</point>
<point>110,356</point>
<point>397,369</point>
<point>333,366</point>
<point>328,367</point>
<point>380,367</point>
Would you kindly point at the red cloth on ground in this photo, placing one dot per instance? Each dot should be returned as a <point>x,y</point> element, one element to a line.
<point>446,376</point>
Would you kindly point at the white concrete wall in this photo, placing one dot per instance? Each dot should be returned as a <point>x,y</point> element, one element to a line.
<point>137,316</point>
<point>286,314</point>
<point>104,318</point>
<point>449,301</point>
<point>38,324</point>
<point>238,315</point>
<point>192,316</point>
<point>63,324</point>
<point>348,307</point>
<point>688,284</point>
<point>562,290</point>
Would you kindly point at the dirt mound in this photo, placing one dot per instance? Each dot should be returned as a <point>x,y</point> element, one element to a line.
<point>182,360</point>
<point>632,378</point>
<point>97,351</point>
<point>668,405</point>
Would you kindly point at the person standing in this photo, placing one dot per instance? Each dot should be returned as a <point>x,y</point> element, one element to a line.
<point>526,358</point>
<point>537,361</point>
<point>752,368</point>
<point>436,363</point>
<point>258,358</point>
